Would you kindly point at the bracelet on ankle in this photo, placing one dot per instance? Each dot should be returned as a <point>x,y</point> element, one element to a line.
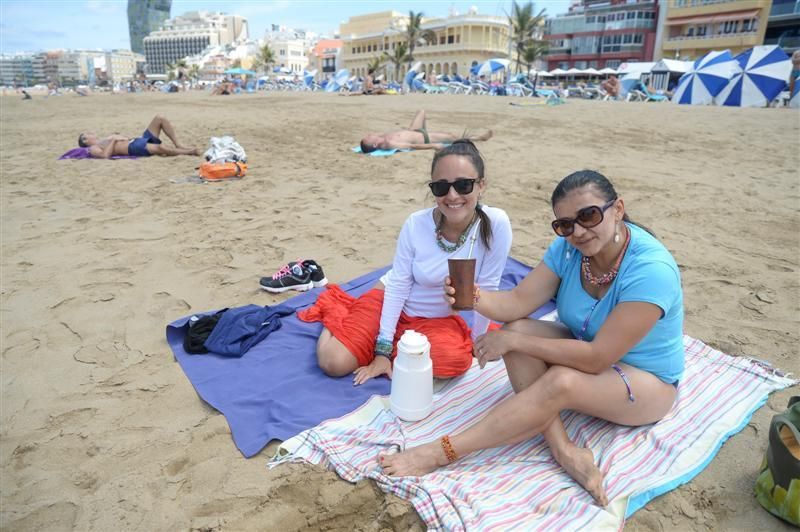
<point>449,452</point>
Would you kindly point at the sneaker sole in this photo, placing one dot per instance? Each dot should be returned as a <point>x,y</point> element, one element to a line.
<point>299,288</point>
<point>323,282</point>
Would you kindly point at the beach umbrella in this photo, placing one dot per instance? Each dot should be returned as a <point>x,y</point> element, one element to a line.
<point>411,74</point>
<point>760,77</point>
<point>492,65</point>
<point>705,79</point>
<point>558,72</point>
<point>608,70</point>
<point>308,77</point>
<point>574,72</point>
<point>240,71</point>
<point>339,80</point>
<point>795,101</point>
<point>592,72</point>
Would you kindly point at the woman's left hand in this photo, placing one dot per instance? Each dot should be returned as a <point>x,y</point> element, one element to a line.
<point>491,346</point>
<point>379,366</point>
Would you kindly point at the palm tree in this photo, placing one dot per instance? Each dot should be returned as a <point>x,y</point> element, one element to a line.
<point>416,35</point>
<point>375,64</point>
<point>524,25</point>
<point>194,73</point>
<point>265,58</point>
<point>398,56</point>
<point>534,51</point>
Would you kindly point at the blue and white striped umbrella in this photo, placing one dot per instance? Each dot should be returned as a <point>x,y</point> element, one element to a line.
<point>492,65</point>
<point>408,81</point>
<point>339,80</point>
<point>705,79</point>
<point>761,76</point>
<point>308,77</point>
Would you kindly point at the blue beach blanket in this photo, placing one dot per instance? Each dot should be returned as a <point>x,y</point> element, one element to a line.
<point>379,153</point>
<point>276,390</point>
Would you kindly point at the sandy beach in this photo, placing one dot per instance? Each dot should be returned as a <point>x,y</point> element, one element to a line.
<point>100,428</point>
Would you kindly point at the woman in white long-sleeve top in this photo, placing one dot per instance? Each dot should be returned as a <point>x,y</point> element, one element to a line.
<point>360,335</point>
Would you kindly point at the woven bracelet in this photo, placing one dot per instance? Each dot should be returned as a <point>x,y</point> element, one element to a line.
<point>449,452</point>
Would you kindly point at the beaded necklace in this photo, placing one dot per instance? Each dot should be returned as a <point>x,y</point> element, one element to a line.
<point>461,239</point>
<point>612,273</point>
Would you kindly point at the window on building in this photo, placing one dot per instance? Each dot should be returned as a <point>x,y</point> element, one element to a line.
<point>627,39</point>
<point>640,14</point>
<point>601,19</point>
<point>630,15</point>
<point>617,39</point>
<point>442,40</point>
<point>690,31</point>
<point>451,39</point>
<point>638,38</point>
<point>701,30</point>
<point>590,20</point>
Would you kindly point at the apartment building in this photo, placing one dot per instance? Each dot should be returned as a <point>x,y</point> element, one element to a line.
<point>325,57</point>
<point>461,41</point>
<point>603,33</point>
<point>693,28</point>
<point>189,34</point>
<point>145,17</point>
<point>17,70</point>
<point>783,26</point>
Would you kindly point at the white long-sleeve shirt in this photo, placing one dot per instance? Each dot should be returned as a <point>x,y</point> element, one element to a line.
<point>415,282</point>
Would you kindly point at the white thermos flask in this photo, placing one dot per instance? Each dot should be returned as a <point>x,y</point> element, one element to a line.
<point>412,378</point>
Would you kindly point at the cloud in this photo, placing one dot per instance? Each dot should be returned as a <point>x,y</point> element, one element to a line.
<point>105,7</point>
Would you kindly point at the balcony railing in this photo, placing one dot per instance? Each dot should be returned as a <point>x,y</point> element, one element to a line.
<point>713,36</point>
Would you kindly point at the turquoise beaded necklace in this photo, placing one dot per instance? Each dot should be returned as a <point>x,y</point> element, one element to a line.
<point>461,239</point>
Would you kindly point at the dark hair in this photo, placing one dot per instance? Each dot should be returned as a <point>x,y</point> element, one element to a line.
<point>367,148</point>
<point>82,141</point>
<point>466,148</point>
<point>590,178</point>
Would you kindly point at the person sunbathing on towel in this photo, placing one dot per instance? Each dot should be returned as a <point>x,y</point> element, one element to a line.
<point>415,137</point>
<point>360,335</point>
<point>148,144</point>
<point>617,354</point>
<point>371,87</point>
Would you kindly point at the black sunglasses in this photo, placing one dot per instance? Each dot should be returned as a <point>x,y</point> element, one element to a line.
<point>587,217</point>
<point>462,185</point>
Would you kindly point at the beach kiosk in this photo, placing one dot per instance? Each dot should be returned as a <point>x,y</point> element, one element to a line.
<point>667,72</point>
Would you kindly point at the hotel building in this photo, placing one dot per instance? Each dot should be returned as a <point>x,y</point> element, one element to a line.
<point>603,33</point>
<point>461,41</point>
<point>783,27</point>
<point>693,28</point>
<point>144,17</point>
<point>325,57</point>
<point>190,34</point>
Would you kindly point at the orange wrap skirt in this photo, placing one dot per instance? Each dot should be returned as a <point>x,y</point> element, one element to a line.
<point>356,321</point>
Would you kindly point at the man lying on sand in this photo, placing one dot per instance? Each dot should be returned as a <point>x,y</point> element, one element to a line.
<point>415,137</point>
<point>146,145</point>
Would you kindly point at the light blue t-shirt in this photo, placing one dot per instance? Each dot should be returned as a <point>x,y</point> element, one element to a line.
<point>647,273</point>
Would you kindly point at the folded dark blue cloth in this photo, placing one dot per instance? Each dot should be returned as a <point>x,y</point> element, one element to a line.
<point>241,328</point>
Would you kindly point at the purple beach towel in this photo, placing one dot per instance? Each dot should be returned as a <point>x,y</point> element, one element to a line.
<point>83,153</point>
<point>276,390</point>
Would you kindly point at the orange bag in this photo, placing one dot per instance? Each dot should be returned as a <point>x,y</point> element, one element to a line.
<point>212,171</point>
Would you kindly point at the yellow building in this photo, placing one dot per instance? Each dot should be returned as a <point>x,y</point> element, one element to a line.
<point>461,41</point>
<point>694,27</point>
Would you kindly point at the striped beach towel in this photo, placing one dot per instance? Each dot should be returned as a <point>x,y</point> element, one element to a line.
<point>521,486</point>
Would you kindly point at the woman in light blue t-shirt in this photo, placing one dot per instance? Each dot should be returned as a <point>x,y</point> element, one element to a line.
<point>617,355</point>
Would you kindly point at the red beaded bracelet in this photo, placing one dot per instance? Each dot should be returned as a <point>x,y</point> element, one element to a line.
<point>449,452</point>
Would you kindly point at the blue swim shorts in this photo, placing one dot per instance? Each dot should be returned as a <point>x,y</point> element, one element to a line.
<point>138,146</point>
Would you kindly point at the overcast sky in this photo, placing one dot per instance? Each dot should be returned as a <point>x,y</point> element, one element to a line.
<point>33,25</point>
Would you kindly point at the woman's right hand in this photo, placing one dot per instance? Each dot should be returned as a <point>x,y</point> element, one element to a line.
<point>449,292</point>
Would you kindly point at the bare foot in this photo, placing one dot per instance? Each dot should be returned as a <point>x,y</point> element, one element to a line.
<point>414,462</point>
<point>579,463</point>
